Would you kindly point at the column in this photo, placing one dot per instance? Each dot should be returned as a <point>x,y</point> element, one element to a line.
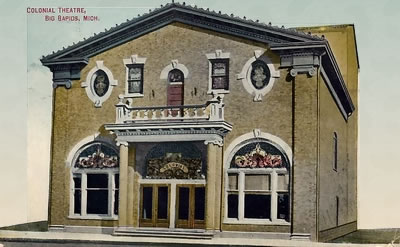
<point>123,184</point>
<point>213,187</point>
<point>132,193</point>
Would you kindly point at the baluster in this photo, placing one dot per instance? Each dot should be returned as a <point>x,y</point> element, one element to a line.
<point>146,114</point>
<point>169,113</point>
<point>186,113</point>
<point>138,117</point>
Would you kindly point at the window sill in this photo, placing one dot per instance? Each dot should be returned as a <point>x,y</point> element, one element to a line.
<point>92,217</point>
<point>133,95</point>
<point>218,91</point>
<point>256,222</point>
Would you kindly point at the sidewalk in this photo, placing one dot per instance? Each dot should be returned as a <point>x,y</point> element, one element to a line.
<point>105,239</point>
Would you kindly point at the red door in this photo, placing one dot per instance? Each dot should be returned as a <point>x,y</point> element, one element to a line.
<point>175,94</point>
<point>175,90</point>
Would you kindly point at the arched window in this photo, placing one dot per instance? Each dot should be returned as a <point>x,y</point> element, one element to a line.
<point>257,185</point>
<point>95,181</point>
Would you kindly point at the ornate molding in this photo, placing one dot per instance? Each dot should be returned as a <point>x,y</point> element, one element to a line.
<point>215,142</point>
<point>301,63</point>
<point>124,143</point>
<point>174,65</point>
<point>89,84</point>
<point>245,75</point>
<point>67,83</point>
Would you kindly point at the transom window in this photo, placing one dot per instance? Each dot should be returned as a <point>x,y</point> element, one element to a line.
<point>175,75</point>
<point>257,186</point>
<point>95,182</point>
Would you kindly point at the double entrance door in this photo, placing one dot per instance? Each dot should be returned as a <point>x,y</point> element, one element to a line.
<point>172,205</point>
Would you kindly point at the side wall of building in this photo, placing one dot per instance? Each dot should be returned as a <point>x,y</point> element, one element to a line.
<point>338,188</point>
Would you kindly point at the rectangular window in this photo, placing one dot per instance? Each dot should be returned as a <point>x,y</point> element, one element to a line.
<point>257,182</point>
<point>97,194</point>
<point>147,200</point>
<point>283,206</point>
<point>199,203</point>
<point>233,201</point>
<point>135,79</point>
<point>233,181</point>
<point>283,182</point>
<point>162,205</point>
<point>257,206</point>
<point>116,194</point>
<point>220,74</point>
<point>77,193</point>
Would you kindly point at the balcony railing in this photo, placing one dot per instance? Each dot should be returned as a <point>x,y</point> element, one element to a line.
<point>212,110</point>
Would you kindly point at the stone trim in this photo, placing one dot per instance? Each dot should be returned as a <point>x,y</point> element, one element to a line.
<point>245,75</point>
<point>174,65</point>
<point>218,54</point>
<point>134,59</point>
<point>88,84</point>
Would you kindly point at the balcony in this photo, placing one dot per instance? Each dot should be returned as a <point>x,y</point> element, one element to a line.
<point>212,110</point>
<point>170,123</point>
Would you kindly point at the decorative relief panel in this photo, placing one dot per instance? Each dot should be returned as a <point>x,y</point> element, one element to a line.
<point>173,166</point>
<point>97,155</point>
<point>258,155</point>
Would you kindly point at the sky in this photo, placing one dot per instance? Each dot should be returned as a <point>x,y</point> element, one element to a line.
<point>25,102</point>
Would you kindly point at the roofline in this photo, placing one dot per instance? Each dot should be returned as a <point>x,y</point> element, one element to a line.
<point>285,34</point>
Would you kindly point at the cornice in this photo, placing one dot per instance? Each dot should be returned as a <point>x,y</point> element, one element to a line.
<point>320,54</point>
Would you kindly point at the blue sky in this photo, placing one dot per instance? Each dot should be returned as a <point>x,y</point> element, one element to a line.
<point>26,95</point>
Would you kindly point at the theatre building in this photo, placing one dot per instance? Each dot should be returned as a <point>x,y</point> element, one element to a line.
<point>189,123</point>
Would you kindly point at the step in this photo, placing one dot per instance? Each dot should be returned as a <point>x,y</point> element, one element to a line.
<point>164,233</point>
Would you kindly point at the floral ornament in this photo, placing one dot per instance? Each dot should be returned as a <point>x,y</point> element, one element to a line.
<point>258,158</point>
<point>97,160</point>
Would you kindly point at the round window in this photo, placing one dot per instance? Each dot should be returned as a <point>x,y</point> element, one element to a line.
<point>260,74</point>
<point>101,83</point>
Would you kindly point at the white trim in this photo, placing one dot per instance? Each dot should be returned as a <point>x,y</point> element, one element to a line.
<point>218,54</point>
<point>134,59</point>
<point>88,84</point>
<point>245,75</point>
<point>174,65</point>
<point>207,138</point>
<point>72,155</point>
<point>255,136</point>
